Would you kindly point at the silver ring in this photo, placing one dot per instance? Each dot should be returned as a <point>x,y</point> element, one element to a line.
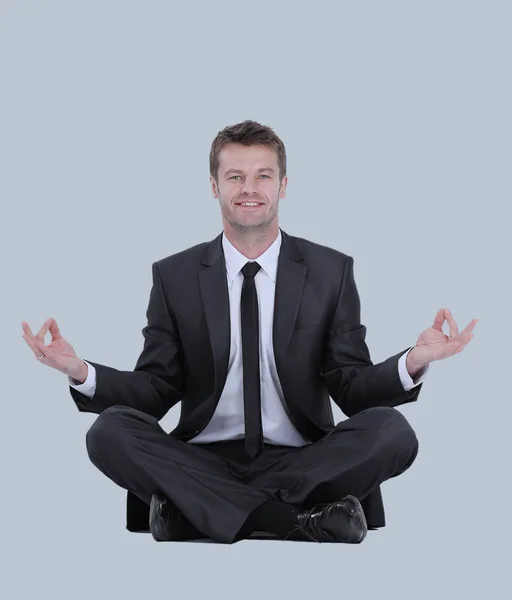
<point>42,355</point>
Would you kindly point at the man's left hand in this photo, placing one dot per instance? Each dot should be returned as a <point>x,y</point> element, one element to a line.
<point>433,344</point>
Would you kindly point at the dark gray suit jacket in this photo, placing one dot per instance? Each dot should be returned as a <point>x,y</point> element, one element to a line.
<point>319,348</point>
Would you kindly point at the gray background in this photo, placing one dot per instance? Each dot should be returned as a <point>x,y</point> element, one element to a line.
<point>396,121</point>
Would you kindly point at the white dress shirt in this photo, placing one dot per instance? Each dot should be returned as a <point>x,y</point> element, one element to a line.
<point>227,422</point>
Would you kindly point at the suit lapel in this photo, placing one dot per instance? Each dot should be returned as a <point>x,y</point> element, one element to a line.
<point>290,278</point>
<point>214,293</point>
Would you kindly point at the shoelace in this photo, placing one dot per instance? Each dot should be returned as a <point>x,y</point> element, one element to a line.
<point>311,526</point>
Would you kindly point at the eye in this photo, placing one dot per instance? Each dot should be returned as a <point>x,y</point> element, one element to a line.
<point>233,176</point>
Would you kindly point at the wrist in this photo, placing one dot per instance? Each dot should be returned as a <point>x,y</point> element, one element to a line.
<point>413,363</point>
<point>80,375</point>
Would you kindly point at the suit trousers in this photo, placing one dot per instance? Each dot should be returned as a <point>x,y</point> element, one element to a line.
<point>217,485</point>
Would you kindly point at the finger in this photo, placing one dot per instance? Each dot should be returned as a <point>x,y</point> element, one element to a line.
<point>471,325</point>
<point>468,331</point>
<point>30,341</point>
<point>463,344</point>
<point>465,337</point>
<point>42,332</point>
<point>439,320</point>
<point>36,347</point>
<point>26,329</point>
<point>42,349</point>
<point>54,329</point>
<point>454,330</point>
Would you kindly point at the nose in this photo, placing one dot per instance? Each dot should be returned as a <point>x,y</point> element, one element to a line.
<point>249,188</point>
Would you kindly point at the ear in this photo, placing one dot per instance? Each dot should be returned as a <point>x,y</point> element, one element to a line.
<point>282,187</point>
<point>215,191</point>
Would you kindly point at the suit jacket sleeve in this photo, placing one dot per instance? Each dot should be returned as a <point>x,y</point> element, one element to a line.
<point>352,380</point>
<point>157,382</point>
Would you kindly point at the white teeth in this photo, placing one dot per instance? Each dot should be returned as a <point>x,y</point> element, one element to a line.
<point>250,203</point>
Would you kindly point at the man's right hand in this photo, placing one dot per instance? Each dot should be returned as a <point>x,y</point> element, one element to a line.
<point>59,353</point>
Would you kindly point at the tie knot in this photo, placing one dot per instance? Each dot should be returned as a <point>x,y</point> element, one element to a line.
<point>250,269</point>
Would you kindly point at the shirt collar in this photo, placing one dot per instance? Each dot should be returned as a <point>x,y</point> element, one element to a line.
<point>235,260</point>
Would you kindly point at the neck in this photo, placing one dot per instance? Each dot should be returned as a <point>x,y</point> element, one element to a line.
<point>251,243</point>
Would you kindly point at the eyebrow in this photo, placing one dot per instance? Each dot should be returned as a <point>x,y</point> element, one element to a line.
<point>240,171</point>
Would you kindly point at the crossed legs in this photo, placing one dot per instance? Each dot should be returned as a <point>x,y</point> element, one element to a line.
<point>217,488</point>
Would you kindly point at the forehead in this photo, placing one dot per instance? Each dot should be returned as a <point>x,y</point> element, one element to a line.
<point>240,156</point>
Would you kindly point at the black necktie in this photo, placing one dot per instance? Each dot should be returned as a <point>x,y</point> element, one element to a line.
<point>251,360</point>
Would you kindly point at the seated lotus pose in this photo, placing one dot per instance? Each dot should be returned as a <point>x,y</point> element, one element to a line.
<point>254,332</point>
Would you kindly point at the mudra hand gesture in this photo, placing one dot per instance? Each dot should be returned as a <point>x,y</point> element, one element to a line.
<point>58,354</point>
<point>433,344</point>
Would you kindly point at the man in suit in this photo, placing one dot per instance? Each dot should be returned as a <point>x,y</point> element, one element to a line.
<point>254,332</point>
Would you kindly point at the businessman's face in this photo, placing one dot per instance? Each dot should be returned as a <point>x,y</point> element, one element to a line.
<point>248,173</point>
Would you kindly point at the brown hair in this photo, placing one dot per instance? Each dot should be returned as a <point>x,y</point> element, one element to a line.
<point>249,133</point>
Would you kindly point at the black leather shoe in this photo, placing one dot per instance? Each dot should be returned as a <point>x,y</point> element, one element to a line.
<point>167,523</point>
<point>341,521</point>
